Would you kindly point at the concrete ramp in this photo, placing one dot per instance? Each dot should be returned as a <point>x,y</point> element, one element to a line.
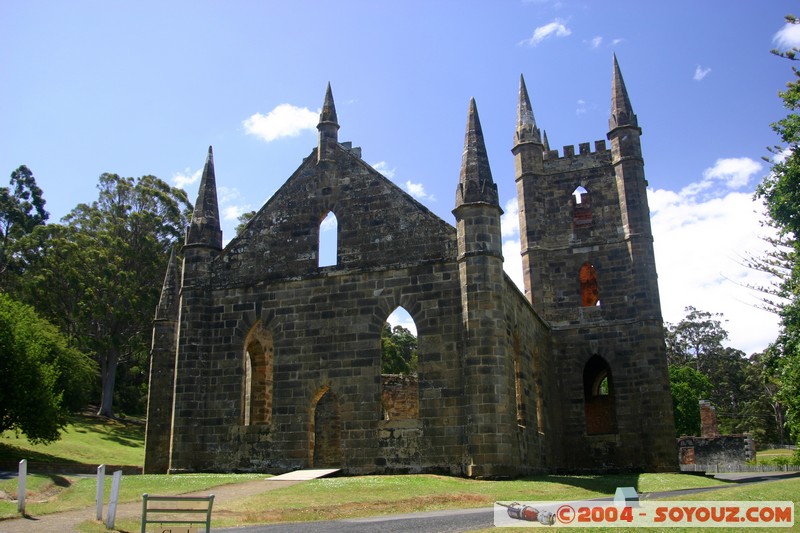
<point>304,475</point>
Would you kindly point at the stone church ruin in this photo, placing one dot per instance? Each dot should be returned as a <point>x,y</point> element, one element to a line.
<point>263,360</point>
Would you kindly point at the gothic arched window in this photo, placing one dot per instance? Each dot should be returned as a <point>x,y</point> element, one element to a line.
<point>598,394</point>
<point>328,240</point>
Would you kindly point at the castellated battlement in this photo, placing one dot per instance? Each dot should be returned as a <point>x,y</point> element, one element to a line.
<point>584,158</point>
<point>583,149</point>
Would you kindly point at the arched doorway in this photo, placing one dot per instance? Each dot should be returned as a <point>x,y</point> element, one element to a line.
<point>598,392</point>
<point>325,431</point>
<point>257,377</point>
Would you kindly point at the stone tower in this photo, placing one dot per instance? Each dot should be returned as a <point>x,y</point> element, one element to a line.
<point>488,371</point>
<point>589,271</point>
<point>194,384</point>
<point>162,374</point>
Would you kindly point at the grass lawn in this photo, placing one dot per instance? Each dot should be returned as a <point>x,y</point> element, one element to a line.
<point>86,440</point>
<point>352,497</point>
<point>52,494</point>
<point>92,440</point>
<point>775,452</point>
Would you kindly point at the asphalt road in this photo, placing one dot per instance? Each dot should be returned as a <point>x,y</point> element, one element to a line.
<point>456,521</point>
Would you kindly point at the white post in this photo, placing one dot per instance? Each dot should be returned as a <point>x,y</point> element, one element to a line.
<point>101,485</point>
<point>112,502</point>
<point>23,475</point>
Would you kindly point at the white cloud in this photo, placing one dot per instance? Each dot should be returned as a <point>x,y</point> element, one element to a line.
<point>732,173</point>
<point>701,237</point>
<point>509,222</point>
<point>230,208</point>
<point>329,223</point>
<point>553,29</point>
<point>417,190</point>
<point>233,212</point>
<point>400,317</point>
<point>596,42</point>
<point>581,107</point>
<point>702,234</point>
<point>285,120</point>
<point>509,227</point>
<point>187,177</point>
<point>700,73</point>
<point>787,37</point>
<point>383,168</point>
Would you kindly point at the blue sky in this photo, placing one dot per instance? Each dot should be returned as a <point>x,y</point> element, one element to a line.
<point>145,87</point>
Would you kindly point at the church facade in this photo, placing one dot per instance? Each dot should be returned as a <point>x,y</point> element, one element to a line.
<point>263,360</point>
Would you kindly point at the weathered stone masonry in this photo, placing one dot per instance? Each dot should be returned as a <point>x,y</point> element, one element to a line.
<point>269,362</point>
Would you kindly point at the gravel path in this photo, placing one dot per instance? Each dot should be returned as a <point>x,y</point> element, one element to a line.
<point>69,520</point>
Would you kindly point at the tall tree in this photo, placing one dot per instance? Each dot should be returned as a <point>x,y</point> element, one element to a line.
<point>21,210</point>
<point>99,274</point>
<point>696,339</point>
<point>398,350</point>
<point>696,342</point>
<point>780,191</point>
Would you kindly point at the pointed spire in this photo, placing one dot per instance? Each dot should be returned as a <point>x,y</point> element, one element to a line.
<point>328,127</point>
<point>168,303</point>
<point>205,227</point>
<point>545,142</point>
<point>475,182</point>
<point>621,109</point>
<point>328,108</point>
<point>527,131</point>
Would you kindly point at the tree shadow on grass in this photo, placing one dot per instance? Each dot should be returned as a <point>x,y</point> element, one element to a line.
<point>124,432</point>
<point>605,484</point>
<point>13,454</point>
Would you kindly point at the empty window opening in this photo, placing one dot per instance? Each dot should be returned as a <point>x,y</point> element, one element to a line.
<point>399,364</point>
<point>257,379</point>
<point>518,381</point>
<point>581,207</point>
<point>325,431</point>
<point>598,389</point>
<point>579,195</point>
<point>328,240</point>
<point>537,382</point>
<point>539,408</point>
<point>590,293</point>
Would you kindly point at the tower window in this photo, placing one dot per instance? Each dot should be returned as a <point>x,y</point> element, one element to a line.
<point>581,208</point>
<point>590,293</point>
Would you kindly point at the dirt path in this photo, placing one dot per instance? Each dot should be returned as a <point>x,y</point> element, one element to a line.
<point>69,520</point>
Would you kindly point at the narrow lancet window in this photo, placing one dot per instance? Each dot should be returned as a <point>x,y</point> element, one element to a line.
<point>581,208</point>
<point>328,240</point>
<point>590,293</point>
<point>399,362</point>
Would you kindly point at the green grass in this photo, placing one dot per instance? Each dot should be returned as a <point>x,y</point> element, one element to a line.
<point>85,440</point>
<point>775,452</point>
<point>64,493</point>
<point>782,490</point>
<point>92,440</point>
<point>350,497</point>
